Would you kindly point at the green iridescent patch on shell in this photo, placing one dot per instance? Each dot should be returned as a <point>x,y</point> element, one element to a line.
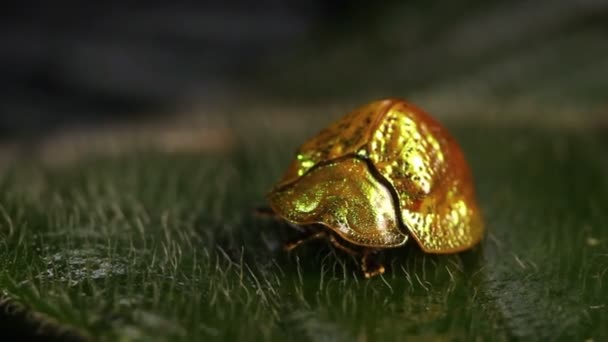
<point>345,196</point>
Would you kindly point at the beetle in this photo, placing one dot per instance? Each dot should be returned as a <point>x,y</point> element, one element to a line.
<point>385,173</point>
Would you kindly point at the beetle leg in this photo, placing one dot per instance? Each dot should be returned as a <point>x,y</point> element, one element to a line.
<point>370,267</point>
<point>317,235</point>
<point>264,212</point>
<point>340,246</point>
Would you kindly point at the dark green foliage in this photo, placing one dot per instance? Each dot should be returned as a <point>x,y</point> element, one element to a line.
<point>163,246</point>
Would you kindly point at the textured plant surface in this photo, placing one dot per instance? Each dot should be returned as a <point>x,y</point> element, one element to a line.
<point>157,245</point>
<point>146,232</point>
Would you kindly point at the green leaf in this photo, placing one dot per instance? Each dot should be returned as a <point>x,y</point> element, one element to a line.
<point>164,246</point>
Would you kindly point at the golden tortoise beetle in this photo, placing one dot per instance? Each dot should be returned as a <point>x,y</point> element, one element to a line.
<point>383,173</point>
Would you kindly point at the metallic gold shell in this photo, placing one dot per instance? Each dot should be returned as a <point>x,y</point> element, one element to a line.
<point>406,154</point>
<point>345,196</point>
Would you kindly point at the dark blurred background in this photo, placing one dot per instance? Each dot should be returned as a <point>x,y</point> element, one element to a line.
<point>72,63</point>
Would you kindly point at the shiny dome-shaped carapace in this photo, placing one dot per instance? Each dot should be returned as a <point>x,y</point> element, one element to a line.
<point>382,173</point>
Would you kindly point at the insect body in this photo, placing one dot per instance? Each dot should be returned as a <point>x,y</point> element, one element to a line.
<point>382,175</point>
